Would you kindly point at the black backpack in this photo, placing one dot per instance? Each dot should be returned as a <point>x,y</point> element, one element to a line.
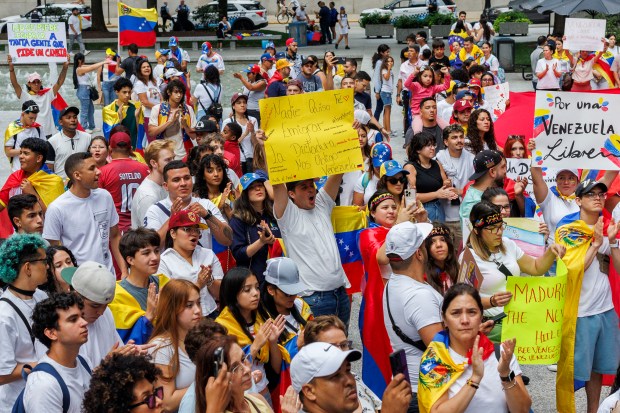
<point>215,108</point>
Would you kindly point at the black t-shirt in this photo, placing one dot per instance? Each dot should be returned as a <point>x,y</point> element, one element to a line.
<point>444,60</point>
<point>363,98</point>
<point>434,130</point>
<point>129,65</point>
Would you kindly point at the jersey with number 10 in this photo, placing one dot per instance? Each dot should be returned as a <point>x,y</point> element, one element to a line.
<point>121,178</point>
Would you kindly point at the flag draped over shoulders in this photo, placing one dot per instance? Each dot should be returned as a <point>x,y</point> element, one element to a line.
<point>438,371</point>
<point>136,26</point>
<point>348,221</point>
<point>48,185</point>
<point>111,119</point>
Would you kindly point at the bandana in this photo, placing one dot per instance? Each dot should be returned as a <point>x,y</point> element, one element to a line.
<point>439,231</point>
<point>380,198</point>
<point>488,220</point>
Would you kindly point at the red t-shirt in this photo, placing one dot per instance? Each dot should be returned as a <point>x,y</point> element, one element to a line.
<point>121,178</point>
<point>232,153</point>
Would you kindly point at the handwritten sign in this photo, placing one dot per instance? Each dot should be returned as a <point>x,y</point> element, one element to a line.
<point>37,42</point>
<point>496,97</point>
<point>310,135</point>
<point>577,130</point>
<point>469,273</point>
<point>584,34</point>
<point>524,232</point>
<point>534,316</point>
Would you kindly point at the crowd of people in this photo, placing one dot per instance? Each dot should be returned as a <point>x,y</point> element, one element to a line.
<point>154,267</point>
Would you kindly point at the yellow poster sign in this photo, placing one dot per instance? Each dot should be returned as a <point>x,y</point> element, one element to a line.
<point>534,316</point>
<point>310,135</point>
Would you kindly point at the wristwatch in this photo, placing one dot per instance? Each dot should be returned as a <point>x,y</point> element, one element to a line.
<point>208,216</point>
<point>613,244</point>
<point>508,378</point>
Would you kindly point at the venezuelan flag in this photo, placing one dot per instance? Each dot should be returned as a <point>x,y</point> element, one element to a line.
<point>348,221</point>
<point>136,26</point>
<point>110,120</point>
<point>376,371</point>
<point>603,66</point>
<point>48,185</point>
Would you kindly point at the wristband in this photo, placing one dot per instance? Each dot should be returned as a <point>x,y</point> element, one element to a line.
<point>493,304</point>
<point>473,384</point>
<point>613,244</point>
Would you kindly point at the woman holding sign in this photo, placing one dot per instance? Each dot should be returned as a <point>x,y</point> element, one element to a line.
<point>583,69</point>
<point>453,380</point>
<point>498,258</point>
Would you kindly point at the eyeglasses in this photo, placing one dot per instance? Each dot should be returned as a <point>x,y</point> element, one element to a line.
<point>396,181</point>
<point>595,195</point>
<point>191,230</point>
<point>345,345</point>
<point>151,399</point>
<point>245,361</point>
<point>505,207</point>
<point>38,260</point>
<point>496,229</point>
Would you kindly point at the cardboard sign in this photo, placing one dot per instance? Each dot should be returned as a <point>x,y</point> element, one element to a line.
<point>577,130</point>
<point>584,34</point>
<point>470,273</point>
<point>496,97</point>
<point>310,135</point>
<point>37,42</point>
<point>535,315</point>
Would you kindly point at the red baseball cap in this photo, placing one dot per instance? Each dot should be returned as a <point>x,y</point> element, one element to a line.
<point>185,218</point>
<point>461,105</point>
<point>120,139</point>
<point>474,82</point>
<point>289,41</point>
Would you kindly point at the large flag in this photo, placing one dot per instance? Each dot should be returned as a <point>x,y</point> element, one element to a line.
<point>111,119</point>
<point>136,26</point>
<point>348,221</point>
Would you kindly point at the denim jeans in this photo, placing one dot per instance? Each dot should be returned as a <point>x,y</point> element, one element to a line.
<point>378,109</point>
<point>107,88</point>
<point>73,38</point>
<point>413,405</point>
<point>435,211</point>
<point>87,108</point>
<point>333,302</point>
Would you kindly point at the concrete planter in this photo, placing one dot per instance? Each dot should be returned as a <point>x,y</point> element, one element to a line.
<point>379,30</point>
<point>441,30</point>
<point>401,34</point>
<point>513,29</point>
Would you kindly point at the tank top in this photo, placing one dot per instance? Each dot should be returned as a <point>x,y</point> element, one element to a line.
<point>427,180</point>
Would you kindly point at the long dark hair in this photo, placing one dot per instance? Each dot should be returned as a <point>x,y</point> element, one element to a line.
<point>486,30</point>
<point>451,265</point>
<point>51,285</point>
<point>379,54</point>
<point>201,187</point>
<point>212,75</point>
<point>231,285</point>
<point>244,211</point>
<point>79,57</point>
<point>205,360</point>
<point>419,141</point>
<point>267,309</point>
<point>616,384</point>
<point>139,62</point>
<point>476,144</point>
<point>460,26</point>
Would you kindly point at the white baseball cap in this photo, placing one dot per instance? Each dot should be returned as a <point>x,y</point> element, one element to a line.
<point>318,360</point>
<point>573,171</point>
<point>405,239</point>
<point>92,281</point>
<point>284,274</point>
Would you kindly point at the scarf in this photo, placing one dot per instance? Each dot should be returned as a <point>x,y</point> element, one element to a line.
<point>567,198</point>
<point>164,112</point>
<point>438,371</point>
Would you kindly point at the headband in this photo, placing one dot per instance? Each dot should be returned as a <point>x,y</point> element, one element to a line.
<point>488,220</point>
<point>439,231</point>
<point>380,198</point>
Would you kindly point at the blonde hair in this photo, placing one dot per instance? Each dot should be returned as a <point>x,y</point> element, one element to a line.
<point>476,243</point>
<point>152,150</point>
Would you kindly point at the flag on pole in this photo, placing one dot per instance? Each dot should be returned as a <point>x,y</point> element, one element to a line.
<point>136,26</point>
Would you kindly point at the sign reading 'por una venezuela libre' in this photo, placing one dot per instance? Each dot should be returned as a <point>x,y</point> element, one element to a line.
<point>577,130</point>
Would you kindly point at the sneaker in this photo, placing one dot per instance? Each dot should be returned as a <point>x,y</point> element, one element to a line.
<point>553,367</point>
<point>89,131</point>
<point>347,47</point>
<point>86,52</point>
<point>97,130</point>
<point>336,45</point>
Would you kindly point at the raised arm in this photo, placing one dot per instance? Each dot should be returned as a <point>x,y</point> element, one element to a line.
<point>16,87</point>
<point>61,77</point>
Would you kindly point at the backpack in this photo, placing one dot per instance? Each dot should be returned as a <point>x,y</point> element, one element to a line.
<point>19,406</point>
<point>215,109</point>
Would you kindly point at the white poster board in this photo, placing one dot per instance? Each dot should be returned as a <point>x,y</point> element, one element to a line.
<point>496,97</point>
<point>577,130</point>
<point>584,34</point>
<point>37,42</point>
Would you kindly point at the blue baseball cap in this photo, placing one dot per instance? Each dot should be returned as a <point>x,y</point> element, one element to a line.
<point>249,178</point>
<point>463,93</point>
<point>206,46</point>
<point>267,56</point>
<point>173,41</point>
<point>391,168</point>
<point>280,55</point>
<point>270,45</point>
<point>380,153</point>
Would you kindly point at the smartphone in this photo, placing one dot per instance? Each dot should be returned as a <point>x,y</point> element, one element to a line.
<point>498,317</point>
<point>267,233</point>
<point>218,357</point>
<point>398,361</point>
<point>410,197</point>
<point>340,60</point>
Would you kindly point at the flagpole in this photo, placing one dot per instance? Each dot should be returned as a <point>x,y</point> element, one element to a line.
<point>118,30</point>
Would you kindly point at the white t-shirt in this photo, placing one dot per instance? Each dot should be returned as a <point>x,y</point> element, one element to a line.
<point>75,21</point>
<point>310,242</point>
<point>155,217</point>
<point>595,297</point>
<point>65,146</point>
<point>490,397</point>
<point>102,336</point>
<point>414,305</point>
<point>554,209</point>
<point>16,344</point>
<point>177,267</point>
<point>152,94</point>
<point>163,352</point>
<point>494,280</point>
<point>406,69</point>
<point>44,102</point>
<point>548,81</point>
<point>387,85</point>
<point>146,195</point>
<point>371,187</point>
<point>174,132</point>
<point>204,61</point>
<point>609,403</point>
<point>83,225</point>
<point>467,26</point>
<point>349,180</point>
<point>444,110</point>
<point>200,92</point>
<point>492,62</point>
<point>246,148</point>
<point>43,392</point>
<point>458,170</point>
<point>15,142</point>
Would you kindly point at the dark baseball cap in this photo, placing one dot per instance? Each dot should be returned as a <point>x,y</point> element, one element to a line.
<point>30,106</point>
<point>588,185</point>
<point>484,161</point>
<point>69,109</point>
<point>205,125</point>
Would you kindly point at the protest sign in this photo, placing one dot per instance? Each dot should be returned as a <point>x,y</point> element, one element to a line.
<point>524,232</point>
<point>469,273</point>
<point>37,42</point>
<point>535,315</point>
<point>577,130</point>
<point>310,135</point>
<point>520,168</point>
<point>496,97</point>
<point>584,34</point>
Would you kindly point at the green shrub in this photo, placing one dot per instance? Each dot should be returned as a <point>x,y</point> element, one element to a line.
<point>374,18</point>
<point>510,17</point>
<point>613,23</point>
<point>436,19</point>
<point>410,22</point>
<point>207,16</point>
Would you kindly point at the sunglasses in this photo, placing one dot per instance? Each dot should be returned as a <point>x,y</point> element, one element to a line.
<point>32,108</point>
<point>151,399</point>
<point>396,181</point>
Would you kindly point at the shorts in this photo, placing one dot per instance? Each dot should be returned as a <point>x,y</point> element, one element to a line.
<point>597,345</point>
<point>386,98</point>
